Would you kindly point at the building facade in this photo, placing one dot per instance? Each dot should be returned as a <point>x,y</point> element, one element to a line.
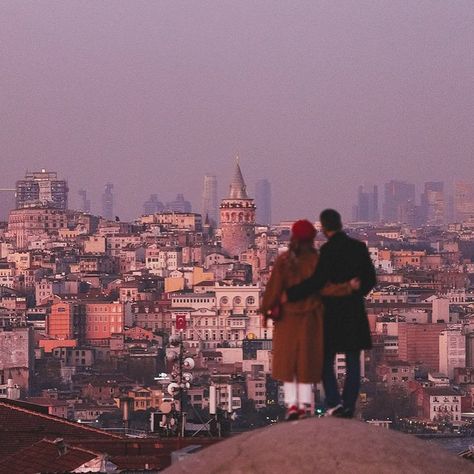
<point>42,188</point>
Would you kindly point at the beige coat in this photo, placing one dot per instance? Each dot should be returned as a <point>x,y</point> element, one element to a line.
<point>298,333</point>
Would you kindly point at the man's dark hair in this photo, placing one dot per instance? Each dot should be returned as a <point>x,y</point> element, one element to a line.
<point>331,220</point>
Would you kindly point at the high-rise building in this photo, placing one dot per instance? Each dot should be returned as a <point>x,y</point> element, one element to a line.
<point>399,201</point>
<point>452,350</point>
<point>153,205</point>
<point>463,201</point>
<point>367,209</point>
<point>41,188</point>
<point>237,217</point>
<point>85,204</point>
<point>7,202</point>
<point>419,343</point>
<point>108,202</point>
<point>179,205</point>
<point>263,200</point>
<point>433,204</point>
<point>209,198</point>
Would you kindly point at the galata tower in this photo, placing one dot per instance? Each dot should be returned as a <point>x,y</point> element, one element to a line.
<point>237,216</point>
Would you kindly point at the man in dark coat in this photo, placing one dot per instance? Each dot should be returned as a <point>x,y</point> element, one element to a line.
<point>346,327</point>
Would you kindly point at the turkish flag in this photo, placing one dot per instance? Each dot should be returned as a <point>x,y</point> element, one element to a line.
<point>180,322</point>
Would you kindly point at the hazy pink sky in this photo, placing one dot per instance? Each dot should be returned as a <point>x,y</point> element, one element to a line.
<point>316,96</point>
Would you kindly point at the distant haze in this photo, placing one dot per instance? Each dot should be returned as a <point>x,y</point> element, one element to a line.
<point>316,96</point>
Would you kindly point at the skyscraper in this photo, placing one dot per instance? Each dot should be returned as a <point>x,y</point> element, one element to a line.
<point>179,205</point>
<point>399,201</point>
<point>153,205</point>
<point>263,200</point>
<point>367,209</point>
<point>209,198</point>
<point>41,188</point>
<point>85,204</point>
<point>463,200</point>
<point>433,205</point>
<point>108,202</point>
<point>237,217</point>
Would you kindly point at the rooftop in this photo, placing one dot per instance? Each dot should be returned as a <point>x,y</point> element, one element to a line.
<point>325,446</point>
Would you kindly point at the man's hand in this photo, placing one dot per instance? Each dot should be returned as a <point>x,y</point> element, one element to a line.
<point>355,284</point>
<point>283,298</point>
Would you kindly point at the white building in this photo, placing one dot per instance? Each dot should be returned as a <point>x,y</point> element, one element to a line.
<point>452,350</point>
<point>441,404</point>
<point>225,314</point>
<point>440,308</point>
<point>162,261</point>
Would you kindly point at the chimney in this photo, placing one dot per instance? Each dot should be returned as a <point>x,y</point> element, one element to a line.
<point>61,446</point>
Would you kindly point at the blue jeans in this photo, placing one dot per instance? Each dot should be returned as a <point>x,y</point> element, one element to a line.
<point>350,392</point>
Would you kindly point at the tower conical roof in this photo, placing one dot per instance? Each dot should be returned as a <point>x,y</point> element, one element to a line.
<point>238,189</point>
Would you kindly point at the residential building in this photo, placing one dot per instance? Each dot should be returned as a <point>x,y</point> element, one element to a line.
<point>104,318</point>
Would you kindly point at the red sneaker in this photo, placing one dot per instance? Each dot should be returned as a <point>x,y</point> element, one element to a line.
<point>292,413</point>
<point>304,413</point>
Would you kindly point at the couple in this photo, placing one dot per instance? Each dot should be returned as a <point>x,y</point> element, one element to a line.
<point>322,313</point>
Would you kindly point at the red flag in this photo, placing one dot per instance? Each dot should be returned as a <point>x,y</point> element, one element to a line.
<point>180,322</point>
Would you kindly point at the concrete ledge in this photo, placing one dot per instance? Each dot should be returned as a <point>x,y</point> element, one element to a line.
<point>324,445</point>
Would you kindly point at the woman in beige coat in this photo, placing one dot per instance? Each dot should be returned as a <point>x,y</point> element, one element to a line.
<point>298,330</point>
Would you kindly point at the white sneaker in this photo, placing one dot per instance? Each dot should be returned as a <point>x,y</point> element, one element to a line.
<point>334,411</point>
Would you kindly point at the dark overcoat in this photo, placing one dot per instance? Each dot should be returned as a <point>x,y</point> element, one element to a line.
<point>346,327</point>
<point>298,333</point>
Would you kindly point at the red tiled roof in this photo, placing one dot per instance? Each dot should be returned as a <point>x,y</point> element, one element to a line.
<point>20,428</point>
<point>44,456</point>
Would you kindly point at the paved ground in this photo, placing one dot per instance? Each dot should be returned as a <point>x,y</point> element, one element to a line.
<point>324,445</point>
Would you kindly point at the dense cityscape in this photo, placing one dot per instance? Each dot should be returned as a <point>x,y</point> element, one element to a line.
<point>152,328</point>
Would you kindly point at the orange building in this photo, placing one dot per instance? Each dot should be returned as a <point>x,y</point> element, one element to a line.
<point>104,318</point>
<point>66,321</point>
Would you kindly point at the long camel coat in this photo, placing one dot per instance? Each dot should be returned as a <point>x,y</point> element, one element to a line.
<point>298,333</point>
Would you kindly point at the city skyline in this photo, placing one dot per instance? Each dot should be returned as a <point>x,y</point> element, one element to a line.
<point>167,277</point>
<point>312,96</point>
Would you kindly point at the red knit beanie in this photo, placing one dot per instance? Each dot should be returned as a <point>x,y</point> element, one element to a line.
<point>303,230</point>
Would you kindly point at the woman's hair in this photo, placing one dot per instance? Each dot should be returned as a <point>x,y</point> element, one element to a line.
<point>296,246</point>
<point>296,249</point>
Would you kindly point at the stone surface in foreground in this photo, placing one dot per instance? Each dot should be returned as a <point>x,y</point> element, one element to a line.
<point>325,445</point>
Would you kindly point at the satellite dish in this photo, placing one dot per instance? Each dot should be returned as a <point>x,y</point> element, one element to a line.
<point>188,376</point>
<point>189,363</point>
<point>166,407</point>
<point>173,388</point>
<point>172,355</point>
